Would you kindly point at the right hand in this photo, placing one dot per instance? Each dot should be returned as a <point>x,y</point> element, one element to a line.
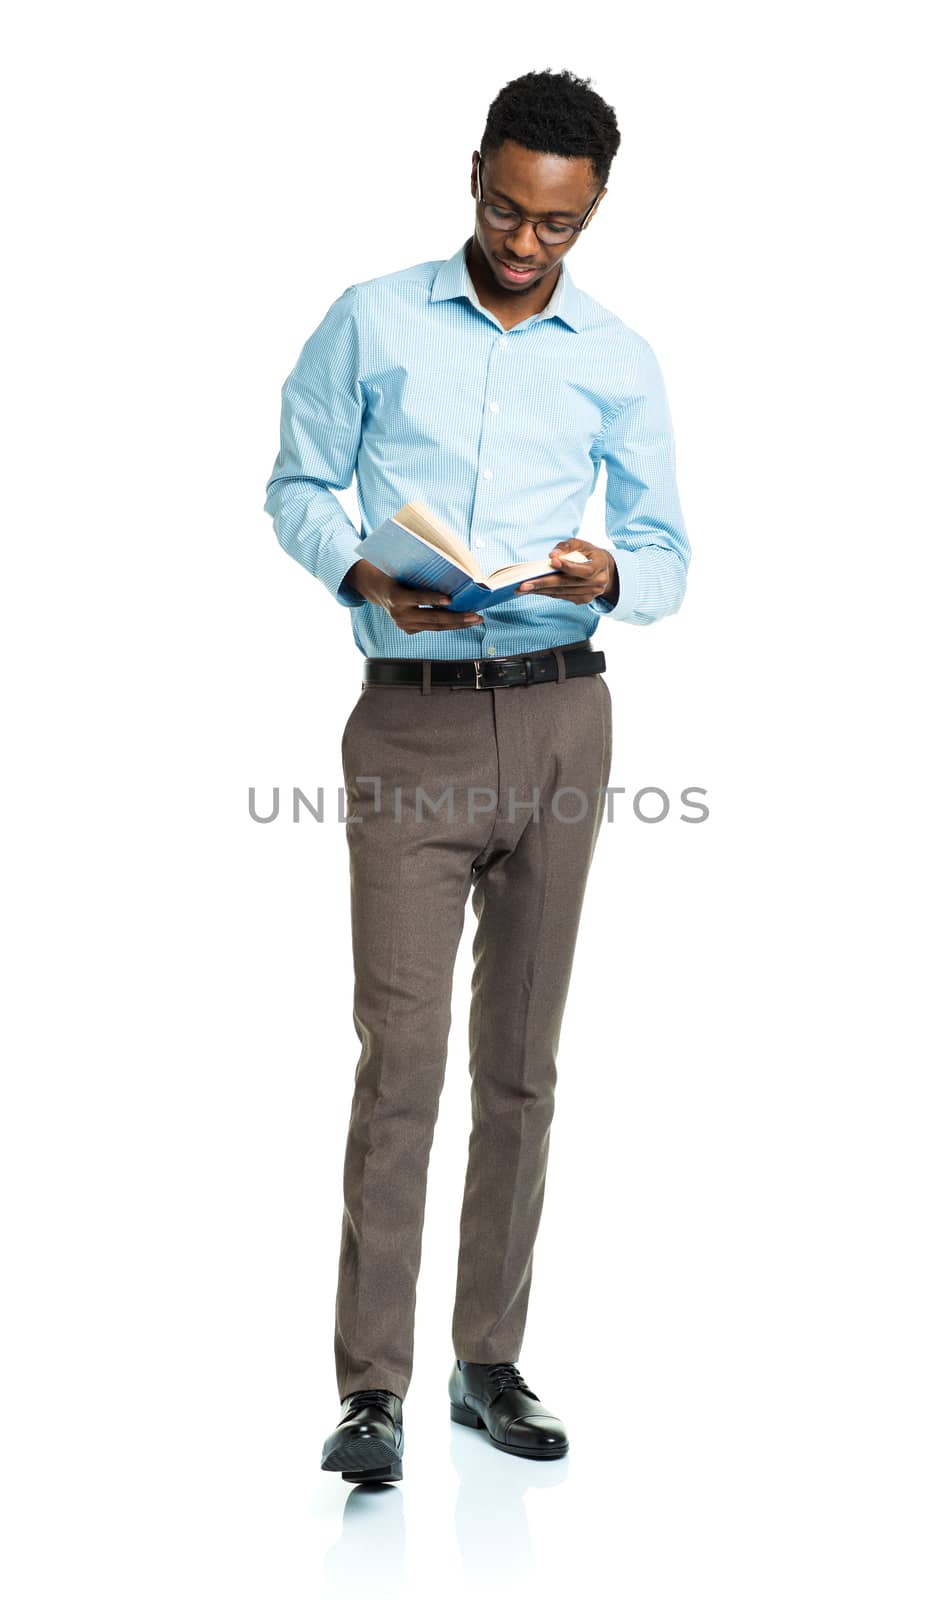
<point>404,604</point>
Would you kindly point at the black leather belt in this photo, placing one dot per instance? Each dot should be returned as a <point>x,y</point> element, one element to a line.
<point>494,672</point>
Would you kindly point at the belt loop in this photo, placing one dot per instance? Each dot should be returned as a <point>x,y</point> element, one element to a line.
<point>561,668</point>
<point>427,677</point>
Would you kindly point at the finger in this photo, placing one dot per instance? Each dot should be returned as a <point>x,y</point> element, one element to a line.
<point>441,617</point>
<point>582,568</point>
<point>556,585</point>
<point>433,627</point>
<point>433,621</point>
<point>575,547</point>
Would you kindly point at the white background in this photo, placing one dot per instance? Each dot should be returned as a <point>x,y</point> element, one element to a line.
<point>740,1292</point>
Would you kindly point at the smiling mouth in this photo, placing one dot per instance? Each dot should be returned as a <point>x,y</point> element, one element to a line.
<point>512,267</point>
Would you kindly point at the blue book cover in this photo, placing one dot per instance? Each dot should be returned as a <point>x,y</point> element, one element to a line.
<point>417,549</point>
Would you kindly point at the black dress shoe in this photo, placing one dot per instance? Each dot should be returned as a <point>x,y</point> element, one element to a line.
<point>366,1445</point>
<point>495,1396</point>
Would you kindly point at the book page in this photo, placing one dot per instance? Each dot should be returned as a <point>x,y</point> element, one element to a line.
<point>418,519</point>
<point>517,572</point>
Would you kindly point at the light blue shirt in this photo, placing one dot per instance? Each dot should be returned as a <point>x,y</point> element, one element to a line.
<point>413,385</point>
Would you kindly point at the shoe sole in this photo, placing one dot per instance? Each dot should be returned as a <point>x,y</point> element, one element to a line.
<point>471,1419</point>
<point>364,1461</point>
<point>390,1474</point>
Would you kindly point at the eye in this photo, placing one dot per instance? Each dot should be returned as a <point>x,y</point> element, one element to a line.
<point>500,215</point>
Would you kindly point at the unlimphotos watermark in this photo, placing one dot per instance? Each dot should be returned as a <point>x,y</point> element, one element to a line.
<point>567,804</point>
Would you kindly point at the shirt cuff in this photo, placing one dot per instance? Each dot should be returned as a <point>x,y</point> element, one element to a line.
<point>625,605</point>
<point>349,596</point>
<point>336,563</point>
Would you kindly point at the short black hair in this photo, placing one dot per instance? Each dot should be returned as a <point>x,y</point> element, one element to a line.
<point>557,113</point>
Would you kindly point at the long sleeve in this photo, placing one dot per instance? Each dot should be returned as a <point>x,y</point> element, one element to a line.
<point>320,426</point>
<point>644,521</point>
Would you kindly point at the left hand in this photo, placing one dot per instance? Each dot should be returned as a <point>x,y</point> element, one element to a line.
<point>578,581</point>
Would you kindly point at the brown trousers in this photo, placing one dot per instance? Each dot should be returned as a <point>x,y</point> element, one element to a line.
<point>501,792</point>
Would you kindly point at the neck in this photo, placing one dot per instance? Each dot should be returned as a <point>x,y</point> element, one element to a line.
<point>508,305</point>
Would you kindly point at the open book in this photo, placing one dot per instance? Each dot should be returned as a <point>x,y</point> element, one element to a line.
<point>415,547</point>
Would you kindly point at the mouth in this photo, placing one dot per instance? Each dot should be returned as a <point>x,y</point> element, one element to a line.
<point>514,275</point>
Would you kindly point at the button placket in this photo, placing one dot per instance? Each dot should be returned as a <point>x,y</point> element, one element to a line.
<point>486,473</point>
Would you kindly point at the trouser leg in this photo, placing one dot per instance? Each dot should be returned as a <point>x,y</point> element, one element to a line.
<point>528,896</point>
<point>410,880</point>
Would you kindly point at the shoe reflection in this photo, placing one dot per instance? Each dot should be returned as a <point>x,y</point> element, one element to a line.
<point>492,1526</point>
<point>372,1542</point>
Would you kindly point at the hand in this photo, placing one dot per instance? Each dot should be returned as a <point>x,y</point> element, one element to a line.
<point>581,582</point>
<point>405,605</point>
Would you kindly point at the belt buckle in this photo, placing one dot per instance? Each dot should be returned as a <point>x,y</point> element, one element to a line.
<point>478,674</point>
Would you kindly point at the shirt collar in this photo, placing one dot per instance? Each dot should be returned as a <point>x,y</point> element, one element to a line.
<point>452,281</point>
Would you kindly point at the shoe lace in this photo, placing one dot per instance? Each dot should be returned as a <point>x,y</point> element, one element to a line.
<point>370,1397</point>
<point>505,1375</point>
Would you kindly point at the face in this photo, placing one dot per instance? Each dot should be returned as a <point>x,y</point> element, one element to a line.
<point>555,188</point>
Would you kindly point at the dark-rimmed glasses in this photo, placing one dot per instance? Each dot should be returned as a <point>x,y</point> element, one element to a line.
<point>505,220</point>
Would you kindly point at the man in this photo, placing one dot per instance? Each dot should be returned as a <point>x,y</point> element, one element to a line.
<point>491,388</point>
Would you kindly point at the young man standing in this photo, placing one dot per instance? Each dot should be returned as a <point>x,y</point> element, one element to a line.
<point>491,388</point>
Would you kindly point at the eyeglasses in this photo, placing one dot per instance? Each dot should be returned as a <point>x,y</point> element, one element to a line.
<point>507,221</point>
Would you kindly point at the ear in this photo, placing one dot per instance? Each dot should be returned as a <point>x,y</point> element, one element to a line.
<point>596,208</point>
<point>474,184</point>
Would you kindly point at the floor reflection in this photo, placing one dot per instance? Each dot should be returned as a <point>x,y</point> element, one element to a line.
<point>491,1518</point>
<point>372,1543</point>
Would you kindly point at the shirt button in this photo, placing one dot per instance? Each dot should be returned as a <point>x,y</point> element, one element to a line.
<point>487,473</point>
<point>479,543</point>
<point>493,406</point>
<point>491,649</point>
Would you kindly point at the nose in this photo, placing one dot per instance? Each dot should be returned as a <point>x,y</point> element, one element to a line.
<point>525,239</point>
